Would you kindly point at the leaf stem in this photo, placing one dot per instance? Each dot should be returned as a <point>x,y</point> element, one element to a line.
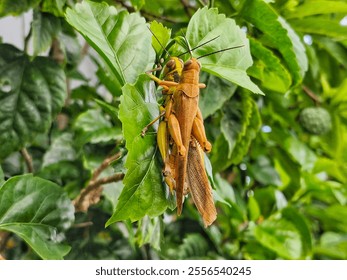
<point>311,94</point>
<point>28,160</point>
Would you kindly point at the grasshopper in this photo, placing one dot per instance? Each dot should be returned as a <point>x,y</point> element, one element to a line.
<point>182,125</point>
<point>177,162</point>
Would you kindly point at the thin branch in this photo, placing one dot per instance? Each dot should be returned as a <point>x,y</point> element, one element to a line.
<point>311,94</point>
<point>106,180</point>
<point>91,194</point>
<point>83,225</point>
<point>28,160</point>
<point>104,165</point>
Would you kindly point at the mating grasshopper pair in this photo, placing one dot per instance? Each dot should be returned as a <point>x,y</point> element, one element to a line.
<point>181,135</point>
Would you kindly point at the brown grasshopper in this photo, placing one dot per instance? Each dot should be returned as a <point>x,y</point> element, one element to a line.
<point>184,169</point>
<point>182,124</point>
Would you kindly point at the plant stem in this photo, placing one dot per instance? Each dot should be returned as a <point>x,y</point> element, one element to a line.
<point>91,194</point>
<point>28,160</point>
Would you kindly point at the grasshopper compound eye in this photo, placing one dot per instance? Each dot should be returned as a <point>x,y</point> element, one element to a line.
<point>187,63</point>
<point>170,64</point>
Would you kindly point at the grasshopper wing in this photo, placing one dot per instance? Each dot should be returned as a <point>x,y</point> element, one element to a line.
<point>198,184</point>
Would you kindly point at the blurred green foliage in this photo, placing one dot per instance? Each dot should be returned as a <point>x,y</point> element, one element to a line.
<point>281,192</point>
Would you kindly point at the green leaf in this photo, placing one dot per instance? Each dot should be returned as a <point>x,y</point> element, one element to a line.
<point>281,36</point>
<point>121,39</point>
<point>301,224</point>
<point>95,128</point>
<point>264,172</point>
<point>38,211</point>
<point>320,26</point>
<point>150,231</point>
<point>162,34</point>
<point>137,4</point>
<point>333,218</point>
<point>333,48</point>
<point>315,7</point>
<point>44,28</point>
<point>332,245</point>
<point>300,152</point>
<point>143,193</point>
<point>71,48</point>
<point>112,111</point>
<point>268,68</point>
<point>54,7</point>
<point>253,209</point>
<point>239,126</point>
<point>15,8</point>
<point>217,92</point>
<point>194,246</point>
<point>280,236</point>
<point>31,95</point>
<point>60,150</point>
<point>231,65</point>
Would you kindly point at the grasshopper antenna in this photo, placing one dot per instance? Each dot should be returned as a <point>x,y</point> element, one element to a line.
<point>203,44</point>
<point>221,51</point>
<point>189,50</point>
<point>159,42</point>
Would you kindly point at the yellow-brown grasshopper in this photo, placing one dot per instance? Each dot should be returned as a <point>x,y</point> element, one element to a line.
<point>182,123</point>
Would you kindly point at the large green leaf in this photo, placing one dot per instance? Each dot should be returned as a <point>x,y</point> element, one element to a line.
<point>10,7</point>
<point>144,192</point>
<point>44,28</point>
<point>217,92</point>
<point>321,26</point>
<point>38,211</point>
<point>279,34</point>
<point>121,39</point>
<point>231,65</point>
<point>31,95</point>
<point>315,7</point>
<point>93,127</point>
<point>280,236</point>
<point>268,68</point>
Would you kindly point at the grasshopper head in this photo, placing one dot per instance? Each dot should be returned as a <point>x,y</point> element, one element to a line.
<point>191,64</point>
<point>173,69</point>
